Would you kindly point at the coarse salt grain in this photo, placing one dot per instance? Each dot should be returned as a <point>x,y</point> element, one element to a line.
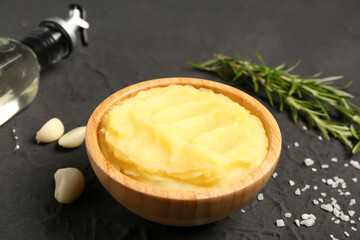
<point>308,162</point>
<point>327,207</point>
<point>352,221</point>
<point>355,164</point>
<point>297,222</point>
<point>336,212</point>
<point>308,222</point>
<point>347,193</point>
<point>354,179</point>
<point>296,144</point>
<point>354,229</point>
<point>346,233</point>
<point>274,175</point>
<point>334,159</point>
<point>333,238</point>
<point>242,210</point>
<point>346,164</point>
<point>330,181</point>
<point>260,197</point>
<point>280,223</point>
<point>287,215</point>
<point>351,213</point>
<point>305,188</point>
<point>305,128</point>
<point>321,200</point>
<point>323,194</point>
<point>314,169</point>
<point>297,192</point>
<point>316,202</point>
<point>336,206</point>
<point>306,216</point>
<point>337,221</point>
<point>315,188</point>
<point>320,138</point>
<point>352,202</point>
<point>344,217</point>
<point>324,166</point>
<point>291,183</point>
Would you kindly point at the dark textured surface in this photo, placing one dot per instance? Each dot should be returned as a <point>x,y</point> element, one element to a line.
<point>133,41</point>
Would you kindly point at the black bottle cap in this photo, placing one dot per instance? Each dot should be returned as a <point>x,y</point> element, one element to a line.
<point>55,38</point>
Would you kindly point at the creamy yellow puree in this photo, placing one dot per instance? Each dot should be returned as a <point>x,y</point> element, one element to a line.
<point>179,137</point>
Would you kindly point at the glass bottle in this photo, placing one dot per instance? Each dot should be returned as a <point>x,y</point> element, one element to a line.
<point>22,61</point>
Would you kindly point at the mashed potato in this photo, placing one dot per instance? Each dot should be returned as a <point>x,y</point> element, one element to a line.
<point>182,138</point>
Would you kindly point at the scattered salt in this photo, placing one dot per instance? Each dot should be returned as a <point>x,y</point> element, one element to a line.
<point>274,175</point>
<point>334,159</point>
<point>323,194</point>
<point>337,221</point>
<point>316,202</point>
<point>305,188</point>
<point>308,162</point>
<point>306,216</point>
<point>321,200</point>
<point>242,210</point>
<point>291,183</point>
<point>296,144</point>
<point>344,217</point>
<point>336,212</point>
<point>260,197</point>
<point>333,238</point>
<point>354,179</point>
<point>355,164</point>
<point>315,188</point>
<point>346,164</point>
<point>280,223</point>
<point>351,213</point>
<point>324,166</point>
<point>336,206</point>
<point>304,128</point>
<point>287,215</point>
<point>347,193</point>
<point>354,229</point>
<point>320,138</point>
<point>327,207</point>
<point>314,169</point>
<point>346,233</point>
<point>352,202</point>
<point>308,222</point>
<point>297,192</point>
<point>297,222</point>
<point>330,181</point>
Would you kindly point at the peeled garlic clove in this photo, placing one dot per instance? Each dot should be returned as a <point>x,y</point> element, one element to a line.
<point>73,138</point>
<point>50,132</point>
<point>69,184</point>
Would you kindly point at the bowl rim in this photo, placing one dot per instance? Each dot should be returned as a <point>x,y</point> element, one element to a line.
<point>268,165</point>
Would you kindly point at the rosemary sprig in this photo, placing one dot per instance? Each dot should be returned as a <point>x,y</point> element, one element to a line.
<point>315,98</point>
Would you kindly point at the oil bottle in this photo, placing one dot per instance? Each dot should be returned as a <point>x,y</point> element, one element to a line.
<point>21,61</point>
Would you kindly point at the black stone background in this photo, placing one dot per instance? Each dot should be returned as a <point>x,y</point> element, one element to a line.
<point>133,41</point>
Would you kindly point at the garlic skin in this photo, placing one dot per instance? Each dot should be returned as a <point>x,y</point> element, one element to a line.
<point>73,138</point>
<point>69,184</point>
<point>51,131</point>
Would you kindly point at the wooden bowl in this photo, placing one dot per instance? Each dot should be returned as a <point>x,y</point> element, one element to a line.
<point>176,207</point>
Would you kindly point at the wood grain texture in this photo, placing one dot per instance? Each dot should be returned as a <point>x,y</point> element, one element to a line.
<point>175,207</point>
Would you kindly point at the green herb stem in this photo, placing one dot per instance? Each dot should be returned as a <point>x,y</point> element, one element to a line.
<point>313,97</point>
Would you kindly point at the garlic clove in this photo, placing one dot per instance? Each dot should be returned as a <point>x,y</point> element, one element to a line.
<point>51,131</point>
<point>73,138</point>
<point>69,184</point>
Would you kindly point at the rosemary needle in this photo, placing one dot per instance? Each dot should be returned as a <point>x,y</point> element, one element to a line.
<point>313,97</point>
